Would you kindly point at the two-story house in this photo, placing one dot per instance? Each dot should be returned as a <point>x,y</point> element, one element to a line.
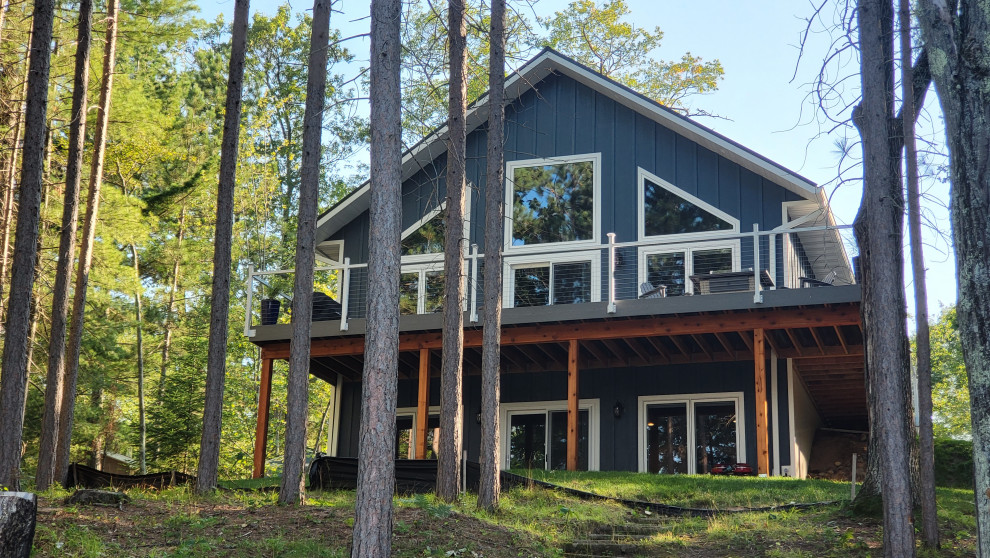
<point>676,299</point>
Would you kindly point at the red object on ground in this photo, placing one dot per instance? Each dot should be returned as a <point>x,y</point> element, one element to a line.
<point>735,469</point>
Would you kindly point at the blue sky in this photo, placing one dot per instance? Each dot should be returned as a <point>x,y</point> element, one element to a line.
<point>763,101</point>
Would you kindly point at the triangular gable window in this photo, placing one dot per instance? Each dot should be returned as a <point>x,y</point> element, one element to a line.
<point>667,211</point>
<point>428,238</point>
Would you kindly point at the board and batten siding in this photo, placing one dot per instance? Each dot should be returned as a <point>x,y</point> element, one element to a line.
<point>561,117</point>
<point>618,437</point>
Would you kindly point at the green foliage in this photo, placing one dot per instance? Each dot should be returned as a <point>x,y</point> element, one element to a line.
<point>604,39</point>
<point>954,463</point>
<point>950,384</point>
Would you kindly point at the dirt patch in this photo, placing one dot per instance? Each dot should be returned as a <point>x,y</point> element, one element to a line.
<point>153,527</point>
<point>831,456</point>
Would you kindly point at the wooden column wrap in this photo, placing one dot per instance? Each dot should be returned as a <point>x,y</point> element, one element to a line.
<point>261,430</point>
<point>423,403</point>
<point>760,375</point>
<point>572,406</point>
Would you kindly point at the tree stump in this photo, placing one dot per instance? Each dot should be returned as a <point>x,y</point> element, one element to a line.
<point>18,514</point>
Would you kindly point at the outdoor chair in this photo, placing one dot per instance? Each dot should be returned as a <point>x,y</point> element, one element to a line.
<point>647,290</point>
<point>826,281</point>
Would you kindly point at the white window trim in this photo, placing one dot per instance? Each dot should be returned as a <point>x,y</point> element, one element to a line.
<point>593,406</point>
<point>438,256</point>
<point>511,166</point>
<point>320,257</point>
<point>414,413</point>
<point>690,399</point>
<point>422,269</point>
<point>533,260</point>
<point>688,249</point>
<point>643,175</point>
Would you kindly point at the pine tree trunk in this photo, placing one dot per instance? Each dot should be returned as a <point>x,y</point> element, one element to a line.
<point>216,370</point>
<point>372,534</point>
<point>170,309</point>
<point>302,311</point>
<point>10,184</point>
<point>490,458</point>
<point>956,35</point>
<point>451,415</point>
<point>878,231</point>
<point>54,384</point>
<point>67,410</point>
<point>926,453</point>
<point>18,319</point>
<point>142,425</point>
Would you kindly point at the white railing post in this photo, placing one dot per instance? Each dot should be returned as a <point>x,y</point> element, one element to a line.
<point>757,288</point>
<point>249,288</point>
<point>473,281</point>
<point>610,309</point>
<point>773,260</point>
<point>345,294</point>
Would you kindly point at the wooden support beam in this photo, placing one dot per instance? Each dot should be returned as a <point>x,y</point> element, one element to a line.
<point>560,333</point>
<point>658,348</point>
<point>680,345</point>
<point>762,439</point>
<point>704,346</point>
<point>818,340</point>
<point>794,341</point>
<point>745,339</point>
<point>636,348</point>
<point>423,403</point>
<point>842,338</point>
<point>572,406</point>
<point>261,430</point>
<point>592,347</point>
<point>726,344</point>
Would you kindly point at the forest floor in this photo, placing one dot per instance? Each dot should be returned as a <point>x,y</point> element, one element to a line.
<point>530,522</point>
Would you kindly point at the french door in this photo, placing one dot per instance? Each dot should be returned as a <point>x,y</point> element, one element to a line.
<point>534,435</point>
<point>690,433</point>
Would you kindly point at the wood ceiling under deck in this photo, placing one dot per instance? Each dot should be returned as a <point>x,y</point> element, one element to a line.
<point>825,343</point>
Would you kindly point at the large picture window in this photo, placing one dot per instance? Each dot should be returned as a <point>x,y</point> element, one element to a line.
<point>553,200</point>
<point>672,266</point>
<point>666,210</point>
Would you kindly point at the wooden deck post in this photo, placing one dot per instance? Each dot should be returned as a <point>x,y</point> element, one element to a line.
<point>261,430</point>
<point>572,406</point>
<point>762,442</point>
<point>423,403</point>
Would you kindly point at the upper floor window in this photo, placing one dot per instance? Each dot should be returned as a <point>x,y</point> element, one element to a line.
<point>427,236</point>
<point>553,200</point>
<point>667,210</point>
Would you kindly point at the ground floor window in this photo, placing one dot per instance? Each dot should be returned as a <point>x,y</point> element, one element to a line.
<point>690,433</point>
<point>534,435</point>
<point>405,433</point>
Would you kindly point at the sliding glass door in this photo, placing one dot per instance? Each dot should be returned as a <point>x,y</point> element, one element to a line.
<point>534,435</point>
<point>690,433</point>
<point>539,440</point>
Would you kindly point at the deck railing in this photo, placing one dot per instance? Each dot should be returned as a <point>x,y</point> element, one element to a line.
<point>706,264</point>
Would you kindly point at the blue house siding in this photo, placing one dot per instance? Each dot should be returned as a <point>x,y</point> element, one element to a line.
<point>561,117</point>
<point>618,438</point>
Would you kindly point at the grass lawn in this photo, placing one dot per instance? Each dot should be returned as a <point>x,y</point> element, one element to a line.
<point>531,522</point>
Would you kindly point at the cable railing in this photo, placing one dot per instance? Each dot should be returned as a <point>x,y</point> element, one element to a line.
<point>655,268</point>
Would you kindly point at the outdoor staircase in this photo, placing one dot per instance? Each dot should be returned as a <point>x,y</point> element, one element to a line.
<point>618,540</point>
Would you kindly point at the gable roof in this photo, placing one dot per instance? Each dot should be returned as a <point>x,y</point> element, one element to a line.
<point>549,61</point>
